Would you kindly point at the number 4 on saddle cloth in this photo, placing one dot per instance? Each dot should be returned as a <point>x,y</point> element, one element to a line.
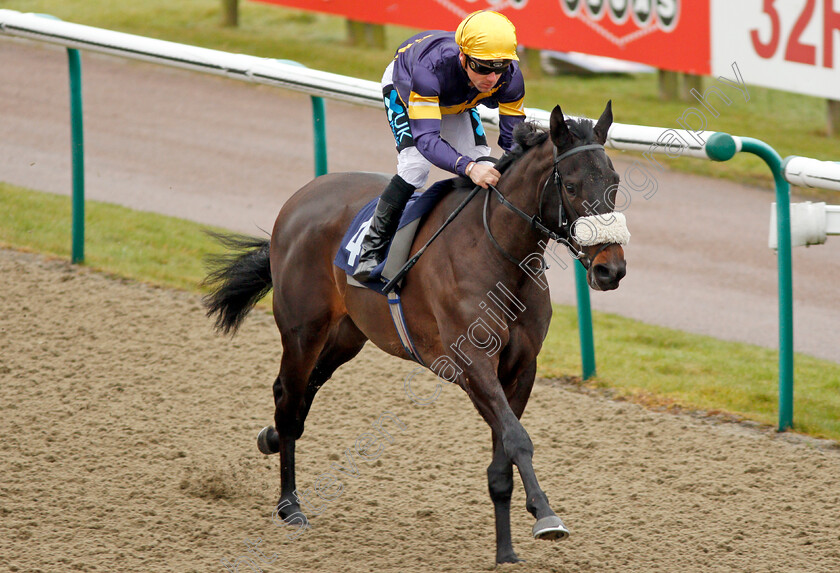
<point>348,253</point>
<point>351,245</point>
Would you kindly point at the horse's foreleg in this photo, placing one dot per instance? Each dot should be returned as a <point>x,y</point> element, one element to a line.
<point>500,485</point>
<point>500,471</point>
<point>519,448</point>
<point>548,526</point>
<point>485,390</point>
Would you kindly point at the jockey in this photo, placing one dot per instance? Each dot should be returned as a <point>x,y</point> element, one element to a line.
<point>442,77</point>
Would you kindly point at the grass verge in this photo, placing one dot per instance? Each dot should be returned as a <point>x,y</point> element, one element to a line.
<point>793,124</point>
<point>645,363</point>
<point>132,244</point>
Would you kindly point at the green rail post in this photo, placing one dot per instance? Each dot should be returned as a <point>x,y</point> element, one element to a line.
<point>587,342</point>
<point>722,147</point>
<point>319,127</point>
<point>77,149</point>
<point>78,152</point>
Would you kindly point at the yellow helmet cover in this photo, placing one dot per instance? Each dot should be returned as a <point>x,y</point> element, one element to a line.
<point>487,35</point>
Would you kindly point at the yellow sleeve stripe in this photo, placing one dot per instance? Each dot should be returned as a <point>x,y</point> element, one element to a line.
<point>424,111</point>
<point>423,107</point>
<point>401,50</point>
<point>512,108</point>
<point>415,98</point>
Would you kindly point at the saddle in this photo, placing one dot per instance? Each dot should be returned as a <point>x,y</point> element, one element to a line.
<point>348,252</point>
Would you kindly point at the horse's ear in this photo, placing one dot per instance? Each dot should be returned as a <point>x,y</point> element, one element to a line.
<point>602,128</point>
<point>560,135</point>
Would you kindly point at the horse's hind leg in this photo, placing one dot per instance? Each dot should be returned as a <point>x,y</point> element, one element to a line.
<point>304,360</point>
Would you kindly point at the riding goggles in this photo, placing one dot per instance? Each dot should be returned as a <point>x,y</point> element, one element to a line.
<point>487,67</point>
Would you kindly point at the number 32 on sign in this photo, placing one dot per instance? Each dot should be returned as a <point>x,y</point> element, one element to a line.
<point>791,45</point>
<point>796,48</point>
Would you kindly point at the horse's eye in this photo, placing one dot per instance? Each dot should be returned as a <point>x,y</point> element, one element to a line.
<point>570,188</point>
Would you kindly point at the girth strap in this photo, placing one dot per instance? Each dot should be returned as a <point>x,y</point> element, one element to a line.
<point>395,306</point>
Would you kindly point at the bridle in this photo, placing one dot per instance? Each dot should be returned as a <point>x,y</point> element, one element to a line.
<point>565,235</point>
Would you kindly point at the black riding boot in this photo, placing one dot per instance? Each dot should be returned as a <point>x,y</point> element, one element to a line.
<point>386,218</point>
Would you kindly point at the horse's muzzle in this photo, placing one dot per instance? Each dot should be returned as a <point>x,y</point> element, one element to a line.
<point>608,268</point>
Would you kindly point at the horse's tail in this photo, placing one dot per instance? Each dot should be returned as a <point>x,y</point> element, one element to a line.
<point>238,280</point>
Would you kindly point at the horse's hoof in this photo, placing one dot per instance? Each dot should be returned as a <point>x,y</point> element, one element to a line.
<point>550,527</point>
<point>287,509</point>
<point>508,558</point>
<point>268,441</point>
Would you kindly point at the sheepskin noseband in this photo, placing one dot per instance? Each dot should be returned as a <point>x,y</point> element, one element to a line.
<point>610,228</point>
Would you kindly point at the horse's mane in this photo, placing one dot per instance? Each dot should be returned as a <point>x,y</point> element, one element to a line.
<point>529,135</point>
<point>526,136</point>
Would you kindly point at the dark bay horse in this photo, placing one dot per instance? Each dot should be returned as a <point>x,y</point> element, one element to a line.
<point>560,175</point>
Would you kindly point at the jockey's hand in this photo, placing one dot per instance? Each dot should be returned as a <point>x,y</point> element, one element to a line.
<point>484,175</point>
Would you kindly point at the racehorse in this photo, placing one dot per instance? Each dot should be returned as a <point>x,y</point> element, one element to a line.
<point>547,182</point>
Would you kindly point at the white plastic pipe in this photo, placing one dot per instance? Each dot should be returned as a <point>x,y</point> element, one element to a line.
<point>807,172</point>
<point>237,66</point>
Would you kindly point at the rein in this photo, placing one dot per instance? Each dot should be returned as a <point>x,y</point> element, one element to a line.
<point>392,284</point>
<point>535,221</point>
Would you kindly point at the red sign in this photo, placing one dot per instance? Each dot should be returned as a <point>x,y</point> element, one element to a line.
<point>667,34</point>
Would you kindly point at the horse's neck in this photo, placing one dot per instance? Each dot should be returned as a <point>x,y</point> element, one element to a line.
<point>521,186</point>
<point>526,175</point>
<point>522,183</point>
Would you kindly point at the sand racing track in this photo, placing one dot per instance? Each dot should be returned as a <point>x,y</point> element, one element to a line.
<point>128,445</point>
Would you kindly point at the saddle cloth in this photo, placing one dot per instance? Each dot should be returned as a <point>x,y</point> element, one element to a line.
<point>350,247</point>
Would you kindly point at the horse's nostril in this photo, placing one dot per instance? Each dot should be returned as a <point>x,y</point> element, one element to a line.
<point>602,273</point>
<point>609,274</point>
